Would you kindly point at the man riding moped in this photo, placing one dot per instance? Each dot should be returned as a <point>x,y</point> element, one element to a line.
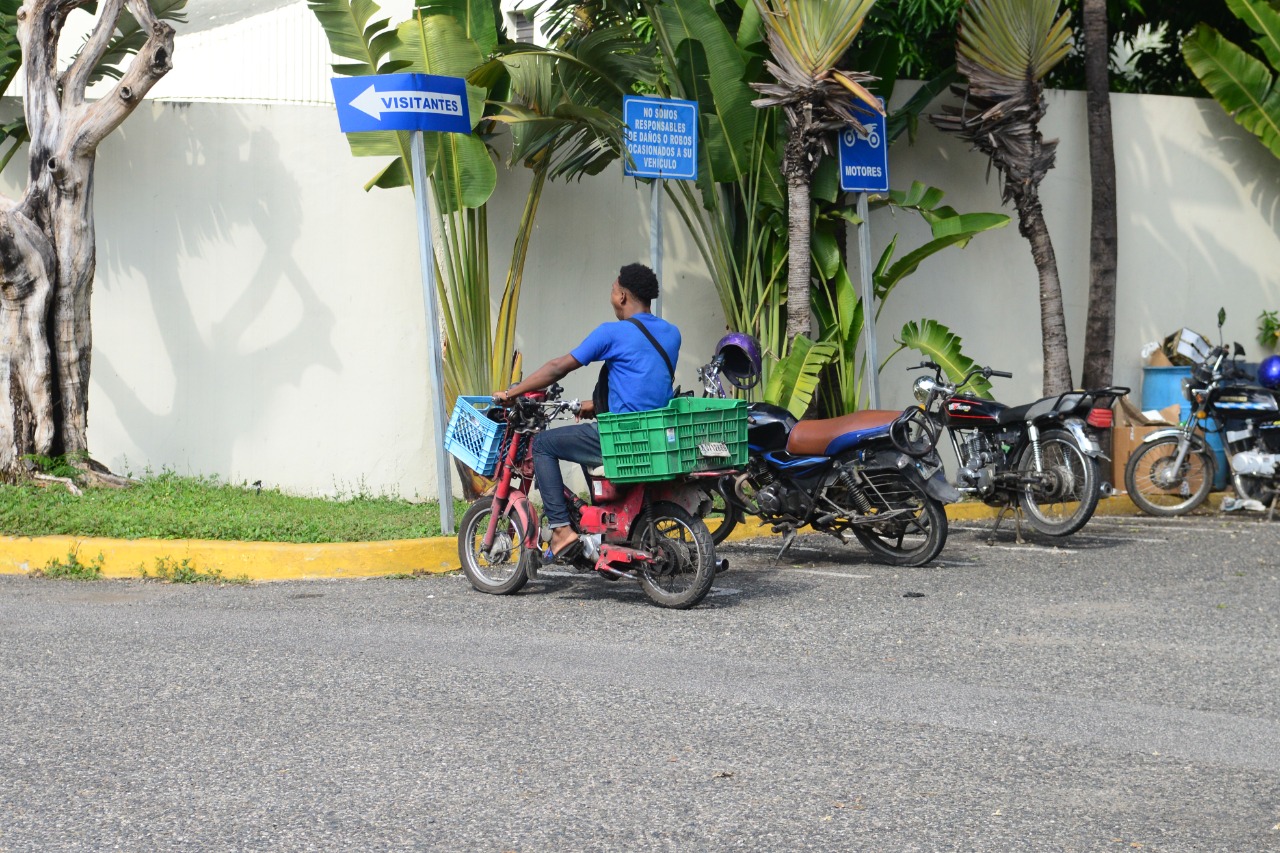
<point>639,352</point>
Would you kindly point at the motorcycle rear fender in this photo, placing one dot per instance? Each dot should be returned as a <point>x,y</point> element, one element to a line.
<point>1085,441</point>
<point>687,495</point>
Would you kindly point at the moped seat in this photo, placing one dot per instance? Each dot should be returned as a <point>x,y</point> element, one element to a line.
<point>824,437</point>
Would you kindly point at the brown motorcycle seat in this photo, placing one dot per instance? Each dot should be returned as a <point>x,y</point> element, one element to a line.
<point>812,438</point>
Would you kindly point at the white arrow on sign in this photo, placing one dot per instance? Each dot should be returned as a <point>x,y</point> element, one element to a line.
<point>376,103</point>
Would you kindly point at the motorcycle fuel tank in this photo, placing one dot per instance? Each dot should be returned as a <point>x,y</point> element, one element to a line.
<point>964,410</point>
<point>1243,399</point>
<point>768,426</point>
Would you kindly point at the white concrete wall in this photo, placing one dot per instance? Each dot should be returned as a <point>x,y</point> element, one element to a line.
<point>1198,202</point>
<point>258,316</point>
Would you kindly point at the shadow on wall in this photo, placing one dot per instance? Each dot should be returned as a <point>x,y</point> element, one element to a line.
<point>234,336</point>
<point>1196,200</point>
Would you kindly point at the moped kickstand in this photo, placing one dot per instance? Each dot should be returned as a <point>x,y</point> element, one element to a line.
<point>788,537</point>
<point>1016,512</point>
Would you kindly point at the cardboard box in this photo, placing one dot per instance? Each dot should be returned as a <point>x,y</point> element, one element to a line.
<point>1186,347</point>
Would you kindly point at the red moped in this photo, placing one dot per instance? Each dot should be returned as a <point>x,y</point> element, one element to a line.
<point>651,532</point>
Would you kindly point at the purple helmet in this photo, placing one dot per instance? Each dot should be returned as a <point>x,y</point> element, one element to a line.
<point>740,359</point>
<point>1269,372</point>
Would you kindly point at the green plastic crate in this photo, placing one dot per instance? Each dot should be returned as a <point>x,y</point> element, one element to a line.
<point>662,444</point>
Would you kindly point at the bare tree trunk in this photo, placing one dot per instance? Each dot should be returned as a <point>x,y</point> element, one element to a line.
<point>797,170</point>
<point>47,248</point>
<point>1100,326</point>
<point>1053,325</point>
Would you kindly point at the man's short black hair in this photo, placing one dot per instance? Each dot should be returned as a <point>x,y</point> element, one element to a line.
<point>640,281</point>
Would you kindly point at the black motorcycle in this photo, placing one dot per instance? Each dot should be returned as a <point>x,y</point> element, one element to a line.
<point>866,477</point>
<point>1173,470</point>
<point>1039,460</point>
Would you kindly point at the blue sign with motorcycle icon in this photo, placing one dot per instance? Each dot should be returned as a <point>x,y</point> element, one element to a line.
<point>864,160</point>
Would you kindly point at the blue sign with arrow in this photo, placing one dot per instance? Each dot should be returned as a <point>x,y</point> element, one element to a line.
<point>864,160</point>
<point>402,102</point>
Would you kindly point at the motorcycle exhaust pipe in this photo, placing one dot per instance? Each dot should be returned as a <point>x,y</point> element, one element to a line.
<point>722,565</point>
<point>1106,490</point>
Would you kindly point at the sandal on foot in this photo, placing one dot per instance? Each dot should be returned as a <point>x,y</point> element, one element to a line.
<point>566,555</point>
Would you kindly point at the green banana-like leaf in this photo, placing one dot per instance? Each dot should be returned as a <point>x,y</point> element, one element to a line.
<point>465,173</point>
<point>1240,83</point>
<point>356,33</point>
<point>955,231</point>
<point>939,344</point>
<point>1264,19</point>
<point>826,253</point>
<point>1015,39</point>
<point>725,105</point>
<point>476,18</point>
<point>10,50</point>
<point>794,379</point>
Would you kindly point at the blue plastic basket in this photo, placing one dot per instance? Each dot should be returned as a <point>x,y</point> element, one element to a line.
<point>472,437</point>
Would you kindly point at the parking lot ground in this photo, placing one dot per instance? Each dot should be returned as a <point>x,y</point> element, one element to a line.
<point>1117,690</point>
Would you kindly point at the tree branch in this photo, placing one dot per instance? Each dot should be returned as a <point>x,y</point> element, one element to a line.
<point>76,78</point>
<point>153,60</point>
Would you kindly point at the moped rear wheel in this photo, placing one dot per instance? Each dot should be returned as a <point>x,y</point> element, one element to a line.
<point>501,569</point>
<point>684,556</point>
<point>1158,488</point>
<point>1066,494</point>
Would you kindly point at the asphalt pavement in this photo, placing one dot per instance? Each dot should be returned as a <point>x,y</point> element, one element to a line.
<point>1117,690</point>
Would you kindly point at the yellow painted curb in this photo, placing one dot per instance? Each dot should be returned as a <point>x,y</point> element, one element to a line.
<point>277,561</point>
<point>259,561</point>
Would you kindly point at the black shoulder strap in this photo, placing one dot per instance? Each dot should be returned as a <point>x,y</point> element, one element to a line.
<point>666,358</point>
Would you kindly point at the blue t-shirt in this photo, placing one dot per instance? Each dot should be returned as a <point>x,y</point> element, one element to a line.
<point>638,377</point>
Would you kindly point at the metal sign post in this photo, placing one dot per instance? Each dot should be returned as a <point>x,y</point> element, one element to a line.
<point>661,142</point>
<point>864,168</point>
<point>415,102</point>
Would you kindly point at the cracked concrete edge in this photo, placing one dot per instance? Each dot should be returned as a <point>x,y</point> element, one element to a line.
<point>275,561</point>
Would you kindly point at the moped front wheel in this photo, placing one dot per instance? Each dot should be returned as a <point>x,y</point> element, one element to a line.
<point>1158,487</point>
<point>501,569</point>
<point>1065,492</point>
<point>722,518</point>
<point>684,557</point>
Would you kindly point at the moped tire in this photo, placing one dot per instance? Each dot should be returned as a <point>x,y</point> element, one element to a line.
<point>907,541</point>
<point>685,556</point>
<point>502,570</point>
<point>1067,501</point>
<point>1156,489</point>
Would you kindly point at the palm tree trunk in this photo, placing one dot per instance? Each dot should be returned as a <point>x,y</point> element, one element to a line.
<point>1100,326</point>
<point>799,234</point>
<point>1053,326</point>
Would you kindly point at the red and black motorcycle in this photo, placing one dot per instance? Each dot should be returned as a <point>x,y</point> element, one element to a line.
<point>1039,460</point>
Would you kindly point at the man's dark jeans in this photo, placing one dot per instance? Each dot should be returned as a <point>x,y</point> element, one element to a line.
<point>578,443</point>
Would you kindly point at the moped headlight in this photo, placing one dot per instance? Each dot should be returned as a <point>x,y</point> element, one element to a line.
<point>923,387</point>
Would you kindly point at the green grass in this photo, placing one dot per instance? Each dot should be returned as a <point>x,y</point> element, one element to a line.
<point>168,506</point>
<point>71,570</point>
<point>169,571</point>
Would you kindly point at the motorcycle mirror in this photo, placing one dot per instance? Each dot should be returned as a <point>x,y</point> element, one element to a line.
<point>1222,317</point>
<point>1239,350</point>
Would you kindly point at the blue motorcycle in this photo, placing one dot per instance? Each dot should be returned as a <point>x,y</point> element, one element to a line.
<point>873,476</point>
